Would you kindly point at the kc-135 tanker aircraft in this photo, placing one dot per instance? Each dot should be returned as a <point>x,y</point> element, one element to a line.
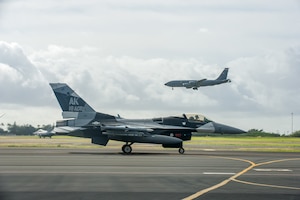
<point>81,120</point>
<point>195,84</point>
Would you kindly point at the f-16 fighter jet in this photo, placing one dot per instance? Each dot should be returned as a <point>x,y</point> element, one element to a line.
<point>44,133</point>
<point>81,120</point>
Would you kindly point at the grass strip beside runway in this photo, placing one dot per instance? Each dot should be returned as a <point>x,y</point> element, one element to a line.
<point>270,144</point>
<point>267,144</point>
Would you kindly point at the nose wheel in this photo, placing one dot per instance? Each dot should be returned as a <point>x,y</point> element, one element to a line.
<point>181,150</point>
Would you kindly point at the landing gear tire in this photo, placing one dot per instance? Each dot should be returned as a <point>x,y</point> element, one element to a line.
<point>181,150</point>
<point>126,149</point>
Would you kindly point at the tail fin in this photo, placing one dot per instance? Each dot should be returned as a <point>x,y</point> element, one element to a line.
<point>69,101</point>
<point>223,75</point>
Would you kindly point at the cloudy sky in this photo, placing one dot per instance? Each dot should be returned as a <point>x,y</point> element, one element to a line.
<point>118,54</point>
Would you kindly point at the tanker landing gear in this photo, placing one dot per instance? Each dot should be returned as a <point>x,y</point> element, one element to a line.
<point>126,148</point>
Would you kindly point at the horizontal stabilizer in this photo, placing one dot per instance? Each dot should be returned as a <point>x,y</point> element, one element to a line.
<point>67,129</point>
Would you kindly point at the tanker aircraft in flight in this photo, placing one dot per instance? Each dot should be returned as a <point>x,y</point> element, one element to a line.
<point>195,84</point>
<point>81,120</point>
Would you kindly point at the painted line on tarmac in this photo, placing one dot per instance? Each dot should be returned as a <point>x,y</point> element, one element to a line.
<point>111,172</point>
<point>275,161</point>
<point>95,172</point>
<point>201,192</point>
<point>218,173</point>
<point>233,178</point>
<point>209,150</point>
<point>266,185</point>
<point>266,170</point>
<point>273,170</point>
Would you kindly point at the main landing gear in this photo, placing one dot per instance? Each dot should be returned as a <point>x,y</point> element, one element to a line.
<point>126,148</point>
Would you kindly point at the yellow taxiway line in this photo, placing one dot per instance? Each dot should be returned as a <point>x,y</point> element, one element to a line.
<point>233,178</point>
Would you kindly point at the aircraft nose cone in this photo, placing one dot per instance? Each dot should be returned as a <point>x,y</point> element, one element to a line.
<point>224,129</point>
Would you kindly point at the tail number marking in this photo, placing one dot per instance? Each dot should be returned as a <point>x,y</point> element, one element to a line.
<point>74,105</point>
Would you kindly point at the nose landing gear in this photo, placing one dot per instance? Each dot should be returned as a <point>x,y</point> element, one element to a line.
<point>181,150</point>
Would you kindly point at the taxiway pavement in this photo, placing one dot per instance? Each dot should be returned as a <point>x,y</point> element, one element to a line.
<point>39,173</point>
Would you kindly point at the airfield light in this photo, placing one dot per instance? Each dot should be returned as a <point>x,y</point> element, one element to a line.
<point>292,130</point>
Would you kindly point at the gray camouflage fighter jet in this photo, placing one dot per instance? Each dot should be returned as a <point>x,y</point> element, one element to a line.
<point>81,120</point>
<point>200,83</point>
<point>44,133</point>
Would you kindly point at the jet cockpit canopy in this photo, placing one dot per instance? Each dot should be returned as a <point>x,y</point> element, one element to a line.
<point>197,117</point>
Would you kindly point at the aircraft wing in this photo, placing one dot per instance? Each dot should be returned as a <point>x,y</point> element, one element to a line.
<point>125,128</point>
<point>67,129</point>
<point>146,128</point>
<point>145,133</point>
<point>194,84</point>
<point>198,83</point>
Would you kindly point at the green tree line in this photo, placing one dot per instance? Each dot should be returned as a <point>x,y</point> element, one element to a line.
<point>296,134</point>
<point>27,129</point>
<point>262,133</point>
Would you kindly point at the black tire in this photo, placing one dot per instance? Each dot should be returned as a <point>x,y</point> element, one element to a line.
<point>126,149</point>
<point>181,150</point>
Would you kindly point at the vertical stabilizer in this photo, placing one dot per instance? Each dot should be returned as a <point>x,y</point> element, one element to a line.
<point>70,102</point>
<point>223,75</point>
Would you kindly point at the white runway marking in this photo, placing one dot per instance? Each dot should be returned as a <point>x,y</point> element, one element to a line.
<point>94,172</point>
<point>218,173</point>
<point>209,150</point>
<point>273,170</point>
